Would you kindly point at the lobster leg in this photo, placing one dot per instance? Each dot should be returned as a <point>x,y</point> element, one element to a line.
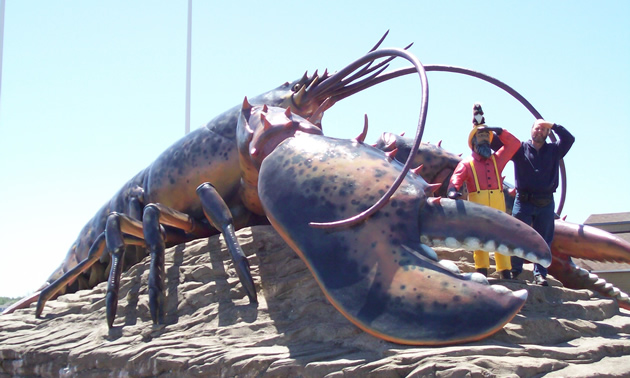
<point>220,217</point>
<point>95,253</point>
<point>121,227</point>
<point>117,226</point>
<point>155,215</point>
<point>153,234</point>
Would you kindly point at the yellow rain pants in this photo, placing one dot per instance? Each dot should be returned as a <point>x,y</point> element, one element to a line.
<point>496,200</point>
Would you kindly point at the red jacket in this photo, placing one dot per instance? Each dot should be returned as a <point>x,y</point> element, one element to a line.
<point>484,168</point>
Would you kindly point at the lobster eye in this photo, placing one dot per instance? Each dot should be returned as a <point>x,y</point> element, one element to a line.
<point>296,87</point>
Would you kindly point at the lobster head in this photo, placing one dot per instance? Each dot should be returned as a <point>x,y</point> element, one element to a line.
<point>259,131</point>
<point>311,95</point>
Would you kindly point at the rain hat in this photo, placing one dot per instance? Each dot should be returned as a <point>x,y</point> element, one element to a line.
<point>477,121</point>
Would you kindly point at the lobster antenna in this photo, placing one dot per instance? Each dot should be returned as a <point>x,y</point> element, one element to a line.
<point>355,77</point>
<point>376,46</point>
<point>419,131</point>
<point>511,91</point>
<point>340,81</point>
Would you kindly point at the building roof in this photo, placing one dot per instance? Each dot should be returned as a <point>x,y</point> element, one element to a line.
<point>617,224</point>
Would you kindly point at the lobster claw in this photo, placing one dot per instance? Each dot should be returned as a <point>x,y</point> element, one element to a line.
<point>590,243</point>
<point>464,224</point>
<point>381,274</point>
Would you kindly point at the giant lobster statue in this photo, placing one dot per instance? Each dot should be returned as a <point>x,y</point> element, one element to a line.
<point>363,222</point>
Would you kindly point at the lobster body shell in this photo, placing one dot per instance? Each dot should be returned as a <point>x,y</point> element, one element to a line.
<point>207,154</point>
<point>377,268</point>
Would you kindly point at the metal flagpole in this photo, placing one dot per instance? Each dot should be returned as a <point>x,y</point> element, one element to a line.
<point>187,127</point>
<point>1,41</point>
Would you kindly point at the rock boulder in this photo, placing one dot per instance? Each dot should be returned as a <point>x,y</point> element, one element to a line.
<point>210,329</point>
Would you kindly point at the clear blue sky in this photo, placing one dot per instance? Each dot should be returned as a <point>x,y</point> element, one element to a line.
<point>92,92</point>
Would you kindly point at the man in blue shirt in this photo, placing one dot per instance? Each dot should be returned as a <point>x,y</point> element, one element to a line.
<point>536,170</point>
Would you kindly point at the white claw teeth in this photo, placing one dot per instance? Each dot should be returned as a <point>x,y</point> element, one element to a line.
<point>450,266</point>
<point>521,294</point>
<point>472,243</point>
<point>519,252</point>
<point>545,262</point>
<point>503,249</point>
<point>530,256</point>
<point>500,289</point>
<point>452,242</point>
<point>490,246</point>
<point>437,243</point>
<point>476,277</point>
<point>582,272</point>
